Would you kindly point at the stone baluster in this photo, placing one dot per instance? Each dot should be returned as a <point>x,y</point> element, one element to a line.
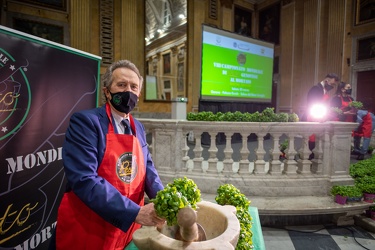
<point>228,151</point>
<point>244,162</point>
<point>317,162</point>
<point>171,153</point>
<point>290,164</point>
<point>260,164</point>
<point>198,159</point>
<point>212,160</point>
<point>185,150</point>
<point>304,164</point>
<point>150,145</point>
<point>275,163</point>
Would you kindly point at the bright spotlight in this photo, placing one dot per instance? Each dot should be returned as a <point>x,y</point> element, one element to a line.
<point>318,111</point>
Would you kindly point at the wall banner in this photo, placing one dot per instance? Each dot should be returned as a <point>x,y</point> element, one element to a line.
<point>41,84</point>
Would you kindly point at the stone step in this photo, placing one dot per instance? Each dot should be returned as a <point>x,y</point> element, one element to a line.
<point>304,209</point>
<point>298,205</point>
<point>301,205</point>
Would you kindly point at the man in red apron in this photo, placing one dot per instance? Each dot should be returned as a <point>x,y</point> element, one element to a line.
<point>318,94</point>
<point>107,171</point>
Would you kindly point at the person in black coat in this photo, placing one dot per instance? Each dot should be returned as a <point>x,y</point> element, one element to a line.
<point>318,94</point>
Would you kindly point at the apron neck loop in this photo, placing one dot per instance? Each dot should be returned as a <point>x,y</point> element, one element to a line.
<point>112,127</point>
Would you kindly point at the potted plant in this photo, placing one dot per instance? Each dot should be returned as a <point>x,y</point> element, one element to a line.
<point>363,173</point>
<point>356,104</point>
<point>339,193</point>
<point>354,193</point>
<point>368,192</point>
<point>367,185</point>
<point>344,193</point>
<point>336,112</point>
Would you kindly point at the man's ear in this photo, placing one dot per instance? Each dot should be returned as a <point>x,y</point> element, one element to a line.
<point>106,92</point>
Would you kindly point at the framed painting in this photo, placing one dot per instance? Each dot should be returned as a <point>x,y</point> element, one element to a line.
<point>167,63</point>
<point>180,77</point>
<point>366,48</point>
<point>47,31</point>
<point>242,21</point>
<point>52,30</point>
<point>167,90</point>
<point>167,84</point>
<point>269,24</point>
<point>364,11</point>
<point>53,4</point>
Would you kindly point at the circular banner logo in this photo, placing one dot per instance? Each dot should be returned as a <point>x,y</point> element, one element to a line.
<point>15,94</point>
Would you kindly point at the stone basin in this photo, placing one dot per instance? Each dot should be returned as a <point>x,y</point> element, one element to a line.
<point>219,222</point>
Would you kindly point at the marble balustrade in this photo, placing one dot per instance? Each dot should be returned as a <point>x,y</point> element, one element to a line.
<point>247,155</point>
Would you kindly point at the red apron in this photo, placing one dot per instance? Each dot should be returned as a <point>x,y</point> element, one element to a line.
<point>325,99</point>
<point>78,227</point>
<point>344,105</point>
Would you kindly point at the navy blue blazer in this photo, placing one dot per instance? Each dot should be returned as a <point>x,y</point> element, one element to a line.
<point>315,95</point>
<point>83,152</point>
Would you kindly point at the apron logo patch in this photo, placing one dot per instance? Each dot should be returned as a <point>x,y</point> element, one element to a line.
<point>126,167</point>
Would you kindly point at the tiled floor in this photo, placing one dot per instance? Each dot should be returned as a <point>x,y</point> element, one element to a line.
<point>309,237</point>
<point>328,237</point>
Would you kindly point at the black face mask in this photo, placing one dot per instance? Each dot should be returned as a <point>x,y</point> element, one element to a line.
<point>348,91</point>
<point>327,87</point>
<point>124,102</point>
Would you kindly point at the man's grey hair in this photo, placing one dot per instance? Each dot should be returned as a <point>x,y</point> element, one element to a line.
<point>107,77</point>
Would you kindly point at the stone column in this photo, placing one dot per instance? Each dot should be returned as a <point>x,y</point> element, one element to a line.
<point>337,153</point>
<point>80,18</point>
<point>130,29</point>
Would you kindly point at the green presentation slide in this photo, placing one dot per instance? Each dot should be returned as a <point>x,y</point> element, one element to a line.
<point>235,74</point>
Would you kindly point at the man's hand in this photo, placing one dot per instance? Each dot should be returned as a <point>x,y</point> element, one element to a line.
<point>147,216</point>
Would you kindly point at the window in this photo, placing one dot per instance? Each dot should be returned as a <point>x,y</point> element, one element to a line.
<point>167,15</point>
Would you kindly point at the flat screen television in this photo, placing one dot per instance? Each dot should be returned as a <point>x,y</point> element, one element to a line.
<point>235,67</point>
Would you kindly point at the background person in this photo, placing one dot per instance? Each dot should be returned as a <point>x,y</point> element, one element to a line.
<point>366,120</point>
<point>318,94</point>
<point>107,171</point>
<point>342,100</point>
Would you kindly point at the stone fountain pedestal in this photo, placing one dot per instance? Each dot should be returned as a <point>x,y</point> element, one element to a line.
<point>220,224</point>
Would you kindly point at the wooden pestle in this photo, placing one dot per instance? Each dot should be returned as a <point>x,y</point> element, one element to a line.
<point>187,220</point>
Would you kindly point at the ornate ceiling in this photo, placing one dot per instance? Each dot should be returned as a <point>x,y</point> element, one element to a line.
<point>163,17</point>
